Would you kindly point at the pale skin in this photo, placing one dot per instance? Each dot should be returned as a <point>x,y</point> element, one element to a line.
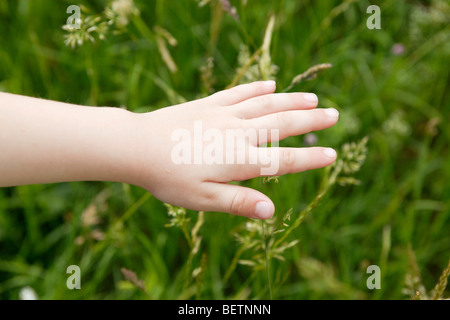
<point>45,141</point>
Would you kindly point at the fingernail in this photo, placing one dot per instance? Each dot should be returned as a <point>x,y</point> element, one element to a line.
<point>263,210</point>
<point>270,83</point>
<point>329,152</point>
<point>311,97</point>
<point>331,112</point>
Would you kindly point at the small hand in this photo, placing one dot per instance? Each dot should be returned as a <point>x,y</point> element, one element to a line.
<point>202,185</point>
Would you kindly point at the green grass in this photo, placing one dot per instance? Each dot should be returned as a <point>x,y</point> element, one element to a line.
<point>403,200</point>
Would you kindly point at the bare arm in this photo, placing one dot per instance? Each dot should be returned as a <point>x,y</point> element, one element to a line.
<point>43,141</point>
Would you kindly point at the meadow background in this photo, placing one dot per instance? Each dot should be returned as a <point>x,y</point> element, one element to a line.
<point>390,85</point>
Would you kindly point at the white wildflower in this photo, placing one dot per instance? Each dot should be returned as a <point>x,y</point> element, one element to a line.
<point>353,156</point>
<point>121,11</point>
<point>27,293</point>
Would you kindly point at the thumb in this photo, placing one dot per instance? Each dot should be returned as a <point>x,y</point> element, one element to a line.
<point>240,201</point>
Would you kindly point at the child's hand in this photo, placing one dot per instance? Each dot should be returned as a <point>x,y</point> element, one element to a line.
<point>203,186</point>
<point>46,141</point>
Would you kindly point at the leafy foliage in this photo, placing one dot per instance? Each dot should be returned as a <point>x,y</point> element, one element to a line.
<point>390,85</point>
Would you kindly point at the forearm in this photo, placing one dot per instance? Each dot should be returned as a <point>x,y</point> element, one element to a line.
<point>44,141</point>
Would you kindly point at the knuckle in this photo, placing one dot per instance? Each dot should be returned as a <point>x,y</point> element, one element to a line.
<point>288,158</point>
<point>208,197</point>
<point>238,203</point>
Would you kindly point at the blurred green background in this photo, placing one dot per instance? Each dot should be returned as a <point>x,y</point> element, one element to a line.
<point>391,85</point>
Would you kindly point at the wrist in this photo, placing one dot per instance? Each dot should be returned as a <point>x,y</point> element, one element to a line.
<point>119,131</point>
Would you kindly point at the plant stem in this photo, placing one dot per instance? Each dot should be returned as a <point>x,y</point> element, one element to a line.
<point>442,283</point>
<point>267,259</point>
<point>233,264</point>
<point>187,236</point>
<point>326,184</point>
<point>244,68</point>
